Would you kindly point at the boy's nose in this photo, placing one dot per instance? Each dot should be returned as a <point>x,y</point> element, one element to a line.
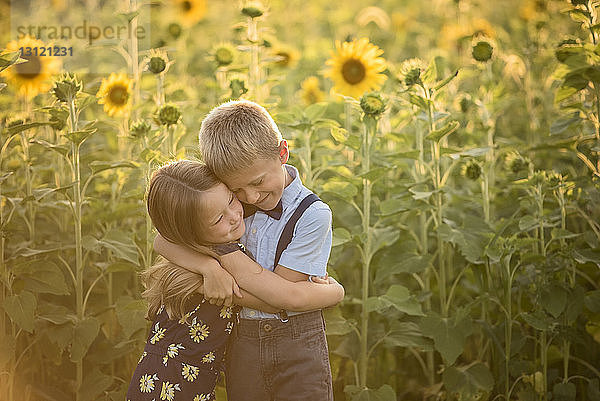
<point>252,196</point>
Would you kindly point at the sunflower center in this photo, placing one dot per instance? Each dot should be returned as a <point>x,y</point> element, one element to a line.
<point>186,5</point>
<point>353,71</point>
<point>118,95</point>
<point>285,58</point>
<point>31,69</point>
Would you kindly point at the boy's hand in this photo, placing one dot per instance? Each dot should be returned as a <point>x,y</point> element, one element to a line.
<point>322,279</point>
<point>220,286</point>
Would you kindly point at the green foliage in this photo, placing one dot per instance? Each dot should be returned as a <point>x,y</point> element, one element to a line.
<point>464,196</point>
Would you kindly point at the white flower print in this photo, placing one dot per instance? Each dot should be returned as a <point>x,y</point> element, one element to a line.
<point>157,333</point>
<point>208,358</point>
<point>172,352</point>
<point>202,397</point>
<point>226,312</point>
<point>198,330</point>
<point>147,383</point>
<point>168,391</point>
<point>189,372</point>
<point>143,356</point>
<point>229,327</point>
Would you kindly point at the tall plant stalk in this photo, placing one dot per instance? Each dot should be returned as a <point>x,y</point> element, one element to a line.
<point>539,197</point>
<point>6,281</point>
<point>569,276</point>
<point>438,203</point>
<point>134,55</point>
<point>420,173</point>
<point>370,128</point>
<point>254,71</point>
<point>77,214</point>
<point>308,178</point>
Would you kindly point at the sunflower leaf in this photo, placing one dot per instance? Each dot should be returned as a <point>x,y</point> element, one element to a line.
<point>445,82</point>
<point>8,59</point>
<point>438,134</point>
<point>24,127</point>
<point>61,149</point>
<point>78,137</point>
<point>99,165</point>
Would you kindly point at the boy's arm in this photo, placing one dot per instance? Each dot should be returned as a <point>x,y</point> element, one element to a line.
<point>277,291</point>
<point>253,302</point>
<point>219,285</point>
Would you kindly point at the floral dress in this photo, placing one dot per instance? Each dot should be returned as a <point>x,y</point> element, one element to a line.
<point>183,357</point>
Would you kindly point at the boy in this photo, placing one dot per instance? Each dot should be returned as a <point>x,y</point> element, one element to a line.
<point>270,357</point>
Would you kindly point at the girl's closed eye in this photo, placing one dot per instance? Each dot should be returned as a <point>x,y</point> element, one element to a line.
<point>231,198</point>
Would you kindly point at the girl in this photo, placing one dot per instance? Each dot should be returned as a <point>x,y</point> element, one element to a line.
<point>183,355</point>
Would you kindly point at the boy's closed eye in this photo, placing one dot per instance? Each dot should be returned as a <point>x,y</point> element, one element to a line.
<point>254,183</point>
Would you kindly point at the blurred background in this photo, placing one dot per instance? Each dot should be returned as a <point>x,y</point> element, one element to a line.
<point>456,141</point>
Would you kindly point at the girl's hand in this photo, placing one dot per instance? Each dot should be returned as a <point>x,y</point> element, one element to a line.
<point>219,286</point>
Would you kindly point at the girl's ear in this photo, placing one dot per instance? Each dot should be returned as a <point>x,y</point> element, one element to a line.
<point>284,153</point>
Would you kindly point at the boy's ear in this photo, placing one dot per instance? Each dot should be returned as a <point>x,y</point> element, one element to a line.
<point>284,153</point>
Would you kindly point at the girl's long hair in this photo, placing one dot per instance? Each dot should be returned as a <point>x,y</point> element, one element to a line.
<point>174,201</point>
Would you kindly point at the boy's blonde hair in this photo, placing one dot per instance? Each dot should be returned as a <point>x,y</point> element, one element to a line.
<point>237,133</point>
<point>174,201</point>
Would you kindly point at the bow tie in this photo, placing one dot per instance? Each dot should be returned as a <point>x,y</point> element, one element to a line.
<point>275,213</point>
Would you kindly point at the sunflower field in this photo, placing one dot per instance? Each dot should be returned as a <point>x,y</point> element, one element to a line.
<point>457,143</point>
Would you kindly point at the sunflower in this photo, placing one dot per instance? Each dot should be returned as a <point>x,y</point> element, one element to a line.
<point>190,11</point>
<point>356,67</point>
<point>114,94</point>
<point>33,76</point>
<point>311,92</point>
<point>452,35</point>
<point>223,54</point>
<point>287,56</point>
<point>411,71</point>
<point>157,61</point>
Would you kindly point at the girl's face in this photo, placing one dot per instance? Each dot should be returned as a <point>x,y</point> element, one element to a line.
<point>222,216</point>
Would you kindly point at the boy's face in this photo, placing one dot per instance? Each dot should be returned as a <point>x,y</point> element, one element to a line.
<point>262,183</point>
<point>222,216</point>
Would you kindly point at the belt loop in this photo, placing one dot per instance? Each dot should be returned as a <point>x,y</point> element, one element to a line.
<point>283,316</point>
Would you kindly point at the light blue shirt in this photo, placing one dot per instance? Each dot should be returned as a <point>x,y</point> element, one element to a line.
<point>308,252</point>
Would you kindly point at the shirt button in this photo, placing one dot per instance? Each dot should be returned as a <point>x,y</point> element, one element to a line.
<point>267,327</point>
<point>254,231</point>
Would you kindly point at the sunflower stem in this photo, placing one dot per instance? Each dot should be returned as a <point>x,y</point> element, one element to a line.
<point>134,54</point>
<point>308,178</point>
<point>254,73</point>
<point>370,127</point>
<point>77,207</point>
<point>160,91</point>
<point>30,216</point>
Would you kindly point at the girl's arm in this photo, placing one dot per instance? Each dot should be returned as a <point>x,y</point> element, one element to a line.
<point>219,285</point>
<point>266,285</point>
<point>293,296</point>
